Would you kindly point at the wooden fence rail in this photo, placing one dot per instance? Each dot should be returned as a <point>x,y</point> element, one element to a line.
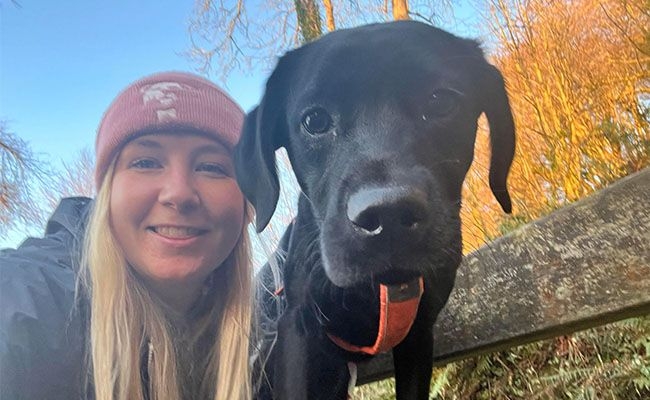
<point>582,266</point>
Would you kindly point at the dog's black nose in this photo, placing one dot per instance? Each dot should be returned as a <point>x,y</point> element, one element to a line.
<point>388,210</point>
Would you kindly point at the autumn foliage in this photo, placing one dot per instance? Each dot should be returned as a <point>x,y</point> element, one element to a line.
<point>578,79</point>
<point>578,76</point>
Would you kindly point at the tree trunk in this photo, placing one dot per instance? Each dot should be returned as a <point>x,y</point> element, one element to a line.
<point>308,19</point>
<point>329,12</point>
<point>400,9</point>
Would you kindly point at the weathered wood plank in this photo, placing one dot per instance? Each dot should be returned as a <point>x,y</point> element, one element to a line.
<point>582,266</point>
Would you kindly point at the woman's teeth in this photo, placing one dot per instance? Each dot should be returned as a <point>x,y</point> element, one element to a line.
<point>176,233</point>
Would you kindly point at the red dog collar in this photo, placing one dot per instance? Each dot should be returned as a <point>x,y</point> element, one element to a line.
<point>398,306</point>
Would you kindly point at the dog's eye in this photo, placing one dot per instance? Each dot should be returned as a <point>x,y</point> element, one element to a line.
<point>442,103</point>
<point>316,121</point>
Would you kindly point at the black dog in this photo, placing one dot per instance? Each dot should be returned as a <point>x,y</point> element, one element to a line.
<point>379,123</point>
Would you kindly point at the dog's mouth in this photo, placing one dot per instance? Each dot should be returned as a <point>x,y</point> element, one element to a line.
<point>396,277</point>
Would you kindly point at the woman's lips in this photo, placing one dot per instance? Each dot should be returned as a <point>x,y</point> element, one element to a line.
<point>177,232</point>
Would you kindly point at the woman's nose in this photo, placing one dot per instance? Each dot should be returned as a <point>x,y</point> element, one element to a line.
<point>178,191</point>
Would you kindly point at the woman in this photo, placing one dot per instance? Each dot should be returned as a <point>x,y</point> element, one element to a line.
<point>155,301</point>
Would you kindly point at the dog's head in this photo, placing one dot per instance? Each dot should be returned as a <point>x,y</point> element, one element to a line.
<point>379,123</point>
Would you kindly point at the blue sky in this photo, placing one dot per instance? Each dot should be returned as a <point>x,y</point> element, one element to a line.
<point>62,62</point>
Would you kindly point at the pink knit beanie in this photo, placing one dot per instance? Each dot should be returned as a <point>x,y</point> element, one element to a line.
<point>166,102</point>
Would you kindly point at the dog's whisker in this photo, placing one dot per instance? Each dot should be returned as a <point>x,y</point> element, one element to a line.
<point>320,315</point>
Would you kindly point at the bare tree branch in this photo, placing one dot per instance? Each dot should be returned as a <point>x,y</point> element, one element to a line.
<point>20,170</point>
<point>75,178</point>
<point>224,38</point>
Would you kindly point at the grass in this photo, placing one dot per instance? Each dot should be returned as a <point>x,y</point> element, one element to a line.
<point>607,362</point>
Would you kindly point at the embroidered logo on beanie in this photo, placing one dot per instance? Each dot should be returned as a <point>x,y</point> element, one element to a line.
<point>164,94</point>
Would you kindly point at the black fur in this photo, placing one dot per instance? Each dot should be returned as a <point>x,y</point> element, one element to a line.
<point>379,123</point>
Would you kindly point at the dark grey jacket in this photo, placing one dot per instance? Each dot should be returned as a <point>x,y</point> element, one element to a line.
<point>42,331</point>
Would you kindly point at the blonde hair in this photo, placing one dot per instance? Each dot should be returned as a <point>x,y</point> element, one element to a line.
<point>126,320</point>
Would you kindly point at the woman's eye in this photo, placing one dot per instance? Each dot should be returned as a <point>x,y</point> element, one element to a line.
<point>215,169</point>
<point>145,163</point>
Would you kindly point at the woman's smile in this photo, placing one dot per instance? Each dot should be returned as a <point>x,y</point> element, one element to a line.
<point>177,232</point>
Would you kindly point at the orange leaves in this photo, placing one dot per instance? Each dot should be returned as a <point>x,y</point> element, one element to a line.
<point>576,72</point>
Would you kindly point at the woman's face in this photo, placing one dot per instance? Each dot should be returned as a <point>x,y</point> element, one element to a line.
<point>176,211</point>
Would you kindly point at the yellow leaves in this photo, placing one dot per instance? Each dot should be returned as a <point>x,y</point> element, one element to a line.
<point>576,72</point>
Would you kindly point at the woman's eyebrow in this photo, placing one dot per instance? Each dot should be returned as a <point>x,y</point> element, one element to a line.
<point>147,143</point>
<point>211,149</point>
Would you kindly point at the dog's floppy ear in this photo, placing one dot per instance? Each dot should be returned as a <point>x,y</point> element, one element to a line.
<point>254,157</point>
<point>502,134</point>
